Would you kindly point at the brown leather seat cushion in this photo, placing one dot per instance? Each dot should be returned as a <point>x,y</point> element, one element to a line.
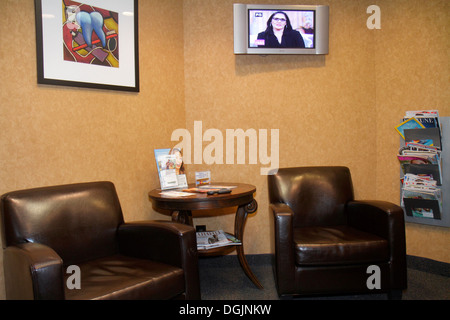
<point>338,245</point>
<point>120,277</point>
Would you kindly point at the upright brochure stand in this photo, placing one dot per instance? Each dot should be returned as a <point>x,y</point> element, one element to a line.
<point>170,167</point>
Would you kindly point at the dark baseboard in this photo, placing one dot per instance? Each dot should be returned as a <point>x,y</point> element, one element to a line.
<point>413,262</point>
<point>428,265</point>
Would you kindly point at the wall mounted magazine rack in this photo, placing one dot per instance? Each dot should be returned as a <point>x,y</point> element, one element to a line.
<point>423,209</point>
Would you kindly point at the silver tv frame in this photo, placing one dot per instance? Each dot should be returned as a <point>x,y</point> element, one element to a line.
<point>241,32</point>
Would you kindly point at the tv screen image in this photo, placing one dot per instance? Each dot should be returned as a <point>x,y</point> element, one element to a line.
<point>280,29</point>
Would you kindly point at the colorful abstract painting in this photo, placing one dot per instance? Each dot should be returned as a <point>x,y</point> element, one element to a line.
<point>91,34</point>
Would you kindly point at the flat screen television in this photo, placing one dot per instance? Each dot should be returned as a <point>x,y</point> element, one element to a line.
<point>280,29</point>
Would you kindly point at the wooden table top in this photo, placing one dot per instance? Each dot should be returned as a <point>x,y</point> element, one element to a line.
<point>241,193</point>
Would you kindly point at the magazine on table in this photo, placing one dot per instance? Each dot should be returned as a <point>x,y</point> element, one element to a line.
<point>214,239</point>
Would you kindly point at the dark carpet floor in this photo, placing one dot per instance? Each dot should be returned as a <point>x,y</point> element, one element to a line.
<point>221,278</point>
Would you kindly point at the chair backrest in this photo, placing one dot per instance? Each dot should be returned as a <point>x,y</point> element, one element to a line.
<point>317,195</point>
<point>78,221</point>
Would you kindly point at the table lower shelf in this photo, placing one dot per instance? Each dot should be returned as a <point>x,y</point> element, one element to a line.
<point>219,251</point>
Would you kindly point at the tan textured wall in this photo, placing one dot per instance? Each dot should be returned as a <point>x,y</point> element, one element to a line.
<point>338,109</point>
<point>317,102</point>
<point>54,135</point>
<point>412,72</point>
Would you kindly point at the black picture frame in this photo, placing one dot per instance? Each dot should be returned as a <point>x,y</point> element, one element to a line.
<point>55,50</point>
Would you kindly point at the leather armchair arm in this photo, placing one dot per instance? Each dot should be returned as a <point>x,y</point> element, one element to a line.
<point>34,271</point>
<point>167,242</point>
<point>284,252</point>
<point>378,217</point>
<point>386,220</point>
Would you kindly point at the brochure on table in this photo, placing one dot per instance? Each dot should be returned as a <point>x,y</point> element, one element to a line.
<point>202,178</point>
<point>172,176</point>
<point>170,168</point>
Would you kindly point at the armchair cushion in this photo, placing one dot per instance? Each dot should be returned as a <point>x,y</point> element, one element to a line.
<point>120,277</point>
<point>337,245</point>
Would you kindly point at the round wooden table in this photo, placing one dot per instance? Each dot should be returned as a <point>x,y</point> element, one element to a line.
<point>241,196</point>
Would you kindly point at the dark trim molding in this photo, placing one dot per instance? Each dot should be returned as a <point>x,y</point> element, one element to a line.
<point>428,265</point>
<point>413,262</point>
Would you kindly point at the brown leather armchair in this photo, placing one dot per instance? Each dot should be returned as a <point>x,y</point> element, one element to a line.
<point>325,241</point>
<point>46,230</point>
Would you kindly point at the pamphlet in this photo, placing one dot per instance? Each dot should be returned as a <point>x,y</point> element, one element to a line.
<point>202,178</point>
<point>198,190</point>
<point>176,194</point>
<point>211,186</point>
<point>170,167</point>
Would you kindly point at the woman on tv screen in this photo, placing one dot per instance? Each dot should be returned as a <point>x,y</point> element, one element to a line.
<point>279,33</point>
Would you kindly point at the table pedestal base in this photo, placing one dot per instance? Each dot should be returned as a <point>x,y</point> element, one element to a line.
<point>185,216</point>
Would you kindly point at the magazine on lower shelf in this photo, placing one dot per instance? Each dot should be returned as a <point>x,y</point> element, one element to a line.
<point>214,239</point>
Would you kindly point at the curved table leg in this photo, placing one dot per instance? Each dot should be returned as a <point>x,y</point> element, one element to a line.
<point>182,216</point>
<point>239,224</point>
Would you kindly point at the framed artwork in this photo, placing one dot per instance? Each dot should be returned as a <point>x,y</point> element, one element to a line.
<point>88,43</point>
